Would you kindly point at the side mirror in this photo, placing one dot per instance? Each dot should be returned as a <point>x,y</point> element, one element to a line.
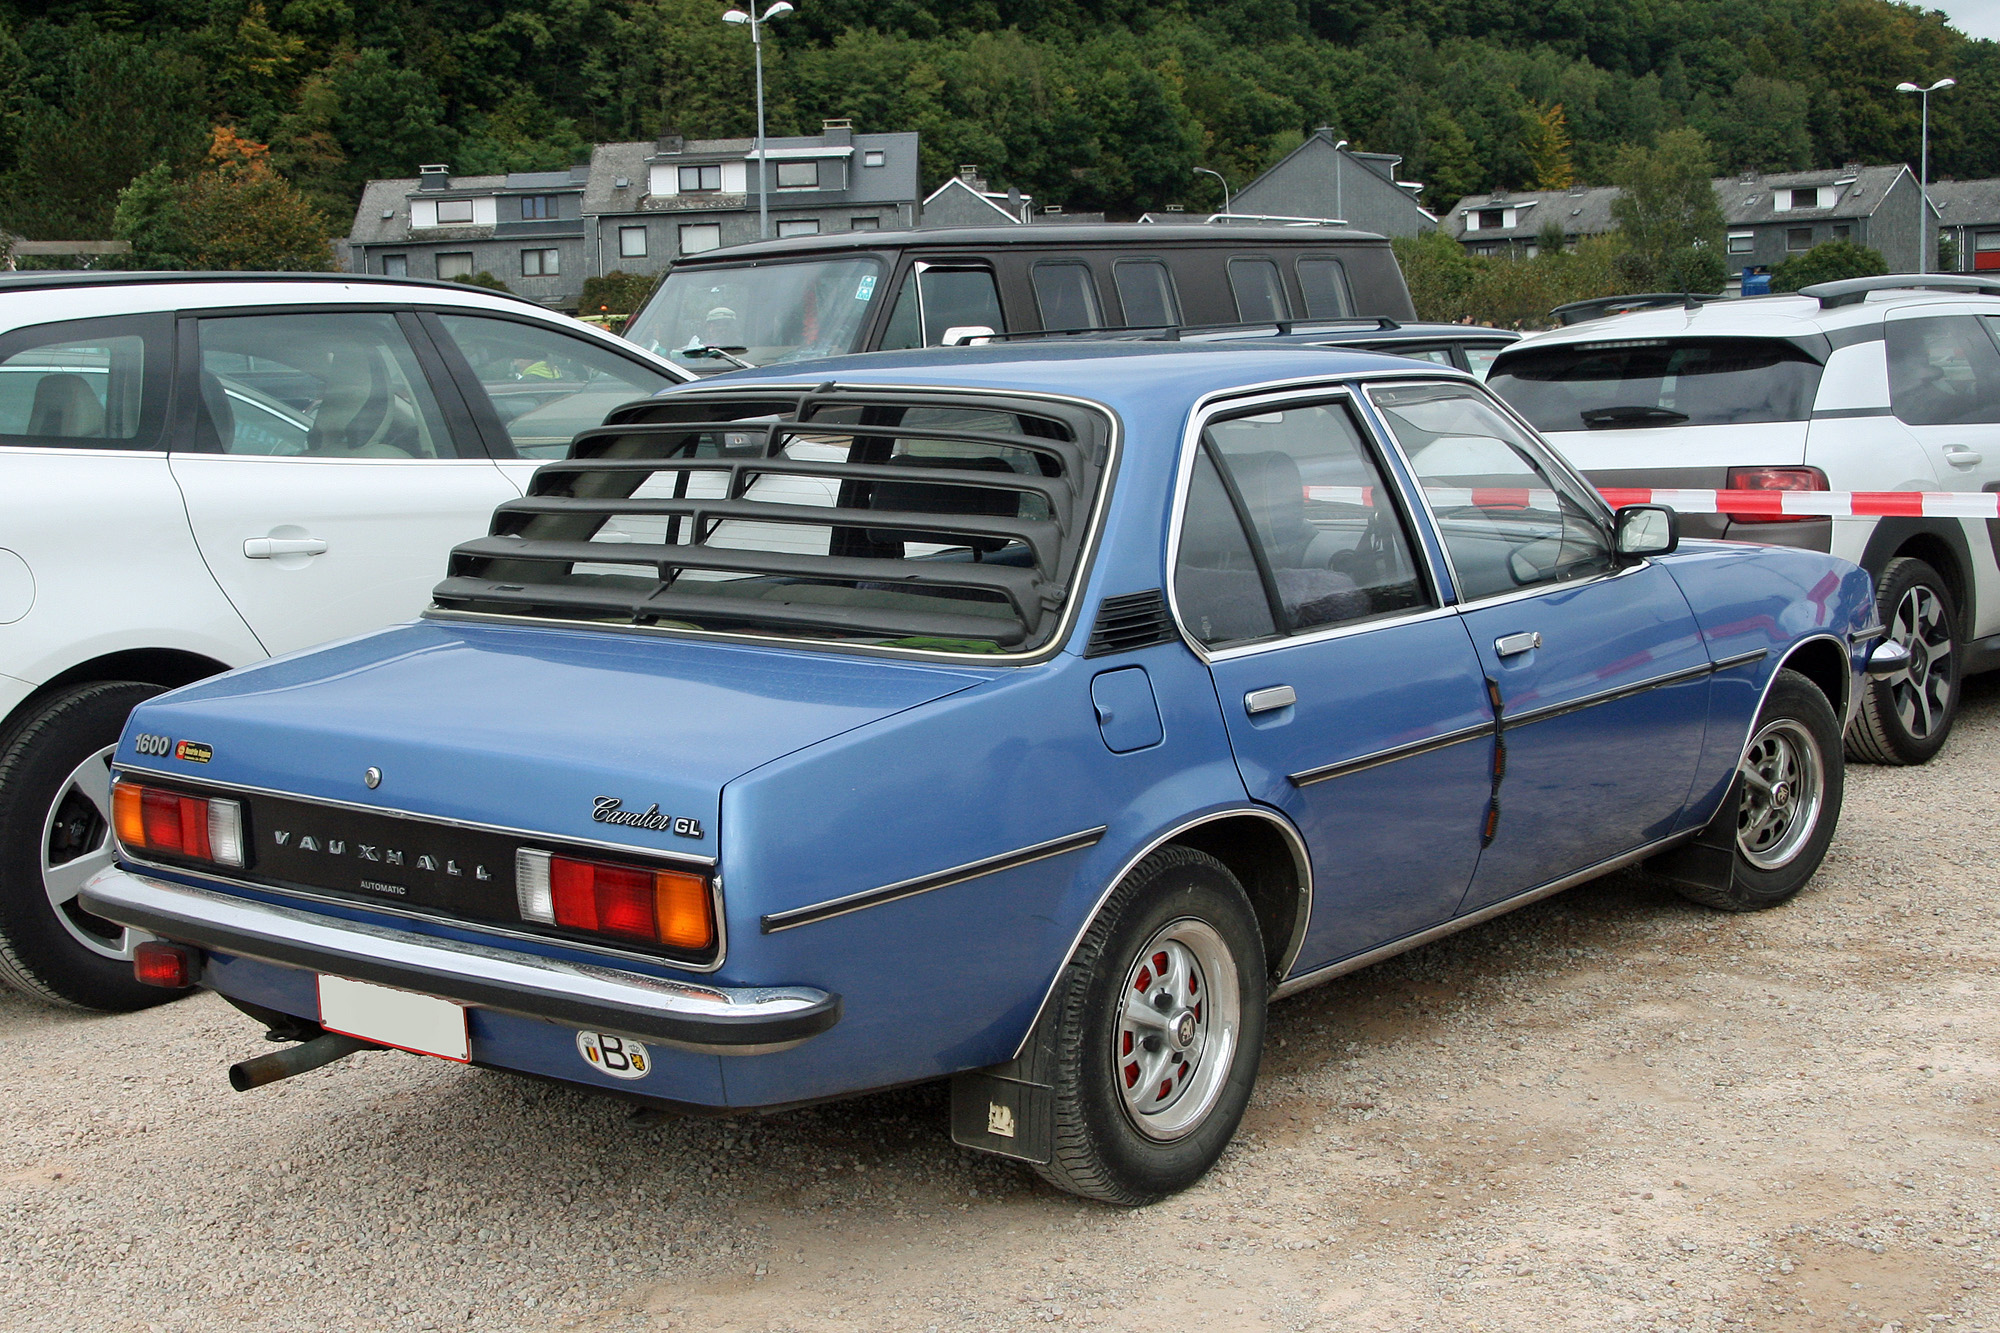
<point>966,335</point>
<point>1648,530</point>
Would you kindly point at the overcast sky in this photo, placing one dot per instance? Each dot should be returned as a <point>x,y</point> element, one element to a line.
<point>1974,18</point>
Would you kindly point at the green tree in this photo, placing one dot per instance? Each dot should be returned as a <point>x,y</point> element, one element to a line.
<point>149,214</point>
<point>237,212</point>
<point>1669,215</point>
<point>1548,147</point>
<point>1828,261</point>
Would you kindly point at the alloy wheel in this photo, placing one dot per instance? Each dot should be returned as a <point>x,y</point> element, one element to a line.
<point>76,844</point>
<point>1784,789</point>
<point>1921,692</point>
<point>1178,1022</point>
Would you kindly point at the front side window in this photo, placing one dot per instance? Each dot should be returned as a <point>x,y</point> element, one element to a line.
<point>1066,295</point>
<point>1259,292</point>
<point>1633,384</point>
<point>543,384</point>
<point>541,263</point>
<point>342,385</point>
<point>1289,528</point>
<point>936,300</point>
<point>1146,290</point>
<point>701,179</point>
<point>1508,517</point>
<point>1324,282</point>
<point>773,312</point>
<point>798,175</point>
<point>1943,371</point>
<point>632,242</point>
<point>84,385</point>
<point>457,265</point>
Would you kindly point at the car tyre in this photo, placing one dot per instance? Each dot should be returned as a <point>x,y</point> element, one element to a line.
<point>1785,802</point>
<point>1905,718</point>
<point>55,798</point>
<point>1148,1092</point>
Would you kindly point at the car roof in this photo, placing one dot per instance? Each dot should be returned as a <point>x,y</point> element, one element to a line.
<point>56,279</point>
<point>1785,315</point>
<point>1121,235</point>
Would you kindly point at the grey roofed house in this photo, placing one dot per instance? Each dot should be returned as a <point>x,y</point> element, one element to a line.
<point>966,200</point>
<point>635,207</point>
<point>1324,179</point>
<point>1513,219</point>
<point>1968,214</point>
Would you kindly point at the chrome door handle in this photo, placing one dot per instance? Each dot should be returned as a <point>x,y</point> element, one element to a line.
<point>1513,645</point>
<point>263,548</point>
<point>1272,697</point>
<point>1959,456</point>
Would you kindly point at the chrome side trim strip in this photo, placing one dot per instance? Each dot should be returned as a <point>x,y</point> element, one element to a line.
<point>1866,635</point>
<point>889,893</point>
<point>1391,755</point>
<point>1510,721</point>
<point>692,1015</point>
<point>539,835</point>
<point>1741,659</point>
<point>1484,914</point>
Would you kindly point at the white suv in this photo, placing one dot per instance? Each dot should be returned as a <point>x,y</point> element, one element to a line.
<point>201,470</point>
<point>1871,384</point>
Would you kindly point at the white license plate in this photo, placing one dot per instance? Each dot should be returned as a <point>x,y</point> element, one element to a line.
<point>403,1019</point>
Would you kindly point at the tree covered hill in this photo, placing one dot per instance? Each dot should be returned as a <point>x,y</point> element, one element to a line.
<point>1095,104</point>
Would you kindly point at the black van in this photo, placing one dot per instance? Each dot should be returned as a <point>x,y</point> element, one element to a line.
<point>811,296</point>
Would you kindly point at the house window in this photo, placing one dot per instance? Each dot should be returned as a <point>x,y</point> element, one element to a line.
<point>865,224</point>
<point>699,236</point>
<point>798,227</point>
<point>1742,242</point>
<point>396,266</point>
<point>872,157</point>
<point>798,175</point>
<point>698,180</point>
<point>1843,231</point>
<point>458,265</point>
<point>538,206</point>
<point>541,263</point>
<point>1806,198</point>
<point>632,242</point>
<point>454,210</point>
<point>1798,238</point>
<point>1492,219</point>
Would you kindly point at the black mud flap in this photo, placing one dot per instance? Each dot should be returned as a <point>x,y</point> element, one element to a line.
<point>1004,1115</point>
<point>1709,862</point>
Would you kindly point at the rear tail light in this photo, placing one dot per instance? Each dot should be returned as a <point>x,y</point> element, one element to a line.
<point>670,907</point>
<point>1776,479</point>
<point>174,966</point>
<point>201,828</point>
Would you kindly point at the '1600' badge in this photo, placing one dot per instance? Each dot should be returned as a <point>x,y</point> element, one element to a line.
<point>620,1057</point>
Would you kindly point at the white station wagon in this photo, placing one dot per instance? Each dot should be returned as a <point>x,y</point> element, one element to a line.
<point>200,470</point>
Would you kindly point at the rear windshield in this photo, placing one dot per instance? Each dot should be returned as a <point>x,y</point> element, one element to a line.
<point>941,523</point>
<point>1658,382</point>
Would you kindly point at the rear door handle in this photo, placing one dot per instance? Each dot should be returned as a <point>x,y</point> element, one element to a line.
<point>1265,700</point>
<point>1959,456</point>
<point>1513,645</point>
<point>263,548</point>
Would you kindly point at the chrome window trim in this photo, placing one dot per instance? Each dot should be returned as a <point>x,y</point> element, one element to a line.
<point>1301,861</point>
<point>1073,600</point>
<point>1301,392</point>
<point>792,918</point>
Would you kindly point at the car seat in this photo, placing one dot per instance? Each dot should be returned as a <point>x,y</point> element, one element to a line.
<point>66,407</point>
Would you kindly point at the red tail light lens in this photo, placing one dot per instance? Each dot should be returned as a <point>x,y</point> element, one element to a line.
<point>151,819</point>
<point>174,966</point>
<point>670,907</point>
<point>1776,479</point>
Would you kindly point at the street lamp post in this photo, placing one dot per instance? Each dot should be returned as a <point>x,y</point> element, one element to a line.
<point>1339,198</point>
<point>1924,175</point>
<point>1205,171</point>
<point>757,22</point>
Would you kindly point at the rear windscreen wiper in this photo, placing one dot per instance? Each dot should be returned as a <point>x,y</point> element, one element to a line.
<point>1598,417</point>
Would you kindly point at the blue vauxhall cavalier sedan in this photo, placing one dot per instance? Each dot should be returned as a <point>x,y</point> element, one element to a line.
<point>1030,716</point>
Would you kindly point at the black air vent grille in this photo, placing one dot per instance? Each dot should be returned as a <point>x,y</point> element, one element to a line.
<point>1133,620</point>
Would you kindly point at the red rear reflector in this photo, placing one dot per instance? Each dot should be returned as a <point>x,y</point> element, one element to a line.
<point>659,906</point>
<point>174,966</point>
<point>1777,479</point>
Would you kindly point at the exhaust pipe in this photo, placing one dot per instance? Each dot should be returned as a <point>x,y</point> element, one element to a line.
<point>321,1050</point>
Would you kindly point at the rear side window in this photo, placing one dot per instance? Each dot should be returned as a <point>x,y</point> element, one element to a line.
<point>1324,282</point>
<point>1146,290</point>
<point>1943,371</point>
<point>1635,384</point>
<point>1259,292</point>
<point>88,384</point>
<point>1066,296</point>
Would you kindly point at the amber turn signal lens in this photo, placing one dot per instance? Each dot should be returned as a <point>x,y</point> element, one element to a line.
<point>681,902</point>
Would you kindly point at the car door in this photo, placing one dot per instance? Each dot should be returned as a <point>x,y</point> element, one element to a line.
<point>1353,700</point>
<point>1598,668</point>
<point>325,474</point>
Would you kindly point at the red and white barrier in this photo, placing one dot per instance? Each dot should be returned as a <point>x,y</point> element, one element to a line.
<point>1742,504</point>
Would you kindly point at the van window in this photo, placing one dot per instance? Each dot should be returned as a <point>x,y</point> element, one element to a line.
<point>1324,282</point>
<point>1146,290</point>
<point>1943,371</point>
<point>1634,384</point>
<point>1260,293</point>
<point>936,300</point>
<point>1067,296</point>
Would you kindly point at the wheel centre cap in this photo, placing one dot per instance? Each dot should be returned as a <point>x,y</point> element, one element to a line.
<point>1781,795</point>
<point>1183,1030</point>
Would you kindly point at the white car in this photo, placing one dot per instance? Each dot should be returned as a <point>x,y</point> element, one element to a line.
<point>1869,384</point>
<point>198,471</point>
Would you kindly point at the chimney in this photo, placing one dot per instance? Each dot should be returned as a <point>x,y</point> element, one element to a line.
<point>434,176</point>
<point>671,141</point>
<point>839,131</point>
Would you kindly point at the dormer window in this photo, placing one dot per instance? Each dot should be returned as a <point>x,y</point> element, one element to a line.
<point>798,175</point>
<point>537,206</point>
<point>454,210</point>
<point>1793,199</point>
<point>701,180</point>
<point>1493,219</point>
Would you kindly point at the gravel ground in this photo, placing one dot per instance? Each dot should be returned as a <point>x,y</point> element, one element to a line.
<point>1609,1110</point>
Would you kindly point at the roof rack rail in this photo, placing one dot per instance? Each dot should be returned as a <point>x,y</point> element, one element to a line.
<point>1576,312</point>
<point>48,279</point>
<point>1175,332</point>
<point>1853,291</point>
